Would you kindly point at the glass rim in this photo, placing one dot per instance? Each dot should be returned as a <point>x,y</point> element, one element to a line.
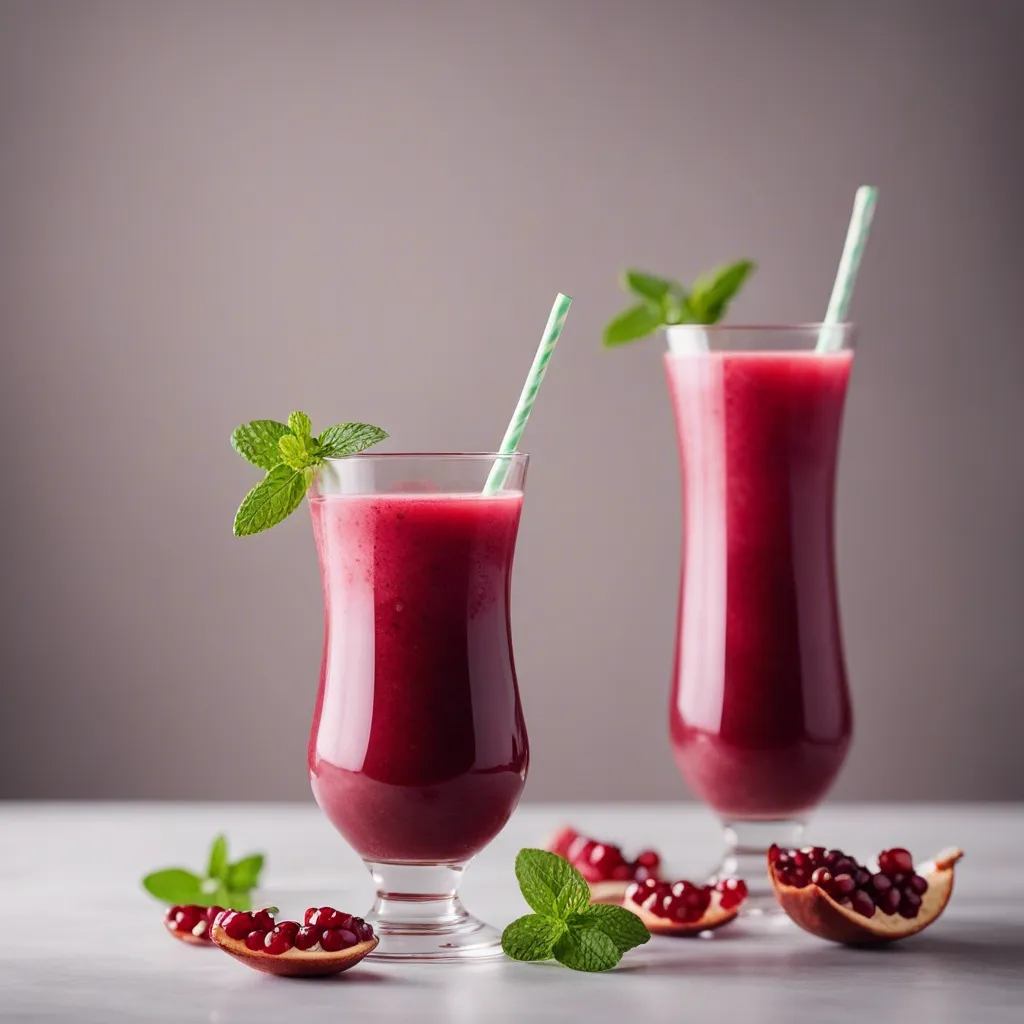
<point>367,456</point>
<point>842,325</point>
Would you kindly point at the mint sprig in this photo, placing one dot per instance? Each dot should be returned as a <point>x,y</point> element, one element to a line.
<point>225,884</point>
<point>564,925</point>
<point>665,302</point>
<point>290,455</point>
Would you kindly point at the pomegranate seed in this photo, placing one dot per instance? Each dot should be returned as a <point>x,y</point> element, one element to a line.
<point>732,892</point>
<point>237,924</point>
<point>328,917</point>
<point>881,883</point>
<point>336,939</point>
<point>843,866</point>
<point>863,903</point>
<point>844,885</point>
<point>649,859</point>
<point>187,918</point>
<point>634,891</point>
<point>211,914</point>
<point>801,860</point>
<point>822,877</point>
<point>816,853</point>
<point>363,930</point>
<point>832,857</point>
<point>280,938</point>
<point>307,937</point>
<point>889,901</point>
<point>621,872</point>
<point>862,877</point>
<point>895,862</point>
<point>263,919</point>
<point>774,853</point>
<point>910,904</point>
<point>798,879</point>
<point>918,885</point>
<point>254,940</point>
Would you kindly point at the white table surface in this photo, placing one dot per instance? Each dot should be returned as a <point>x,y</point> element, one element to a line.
<point>80,940</point>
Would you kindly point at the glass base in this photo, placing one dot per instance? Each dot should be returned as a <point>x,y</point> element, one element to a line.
<point>418,916</point>
<point>746,857</point>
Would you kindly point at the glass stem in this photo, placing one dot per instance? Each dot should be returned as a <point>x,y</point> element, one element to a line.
<point>746,856</point>
<point>416,898</point>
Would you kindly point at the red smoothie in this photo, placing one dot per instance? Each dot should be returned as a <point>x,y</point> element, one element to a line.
<point>760,714</point>
<point>418,751</point>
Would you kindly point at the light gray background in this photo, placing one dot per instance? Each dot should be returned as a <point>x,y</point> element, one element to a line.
<point>214,211</point>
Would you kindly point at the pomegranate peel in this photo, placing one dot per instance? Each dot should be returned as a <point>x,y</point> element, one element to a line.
<point>897,909</point>
<point>682,908</point>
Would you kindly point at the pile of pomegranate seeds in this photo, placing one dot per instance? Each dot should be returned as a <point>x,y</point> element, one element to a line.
<point>324,929</point>
<point>603,862</point>
<point>894,889</point>
<point>685,902</point>
<point>192,920</point>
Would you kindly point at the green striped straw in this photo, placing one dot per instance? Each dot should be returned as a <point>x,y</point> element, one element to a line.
<point>510,442</point>
<point>849,263</point>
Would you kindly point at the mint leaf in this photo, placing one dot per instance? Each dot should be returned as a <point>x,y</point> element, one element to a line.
<point>233,900</point>
<point>532,937</point>
<point>626,930</point>
<point>648,286</point>
<point>175,885</point>
<point>550,884</point>
<point>299,424</point>
<point>635,322</point>
<point>257,442</point>
<point>347,439</point>
<point>217,865</point>
<point>713,290</point>
<point>245,873</point>
<point>587,949</point>
<point>297,452</point>
<point>273,499</point>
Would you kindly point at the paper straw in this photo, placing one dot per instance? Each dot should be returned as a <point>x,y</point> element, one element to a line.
<point>510,442</point>
<point>849,263</point>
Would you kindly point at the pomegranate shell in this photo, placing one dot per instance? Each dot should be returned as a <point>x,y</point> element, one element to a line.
<point>714,917</point>
<point>294,963</point>
<point>818,913</point>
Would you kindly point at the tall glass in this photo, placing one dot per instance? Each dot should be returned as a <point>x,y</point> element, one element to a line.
<point>418,751</point>
<point>760,712</point>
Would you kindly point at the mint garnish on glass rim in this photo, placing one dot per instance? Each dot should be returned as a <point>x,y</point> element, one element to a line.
<point>564,924</point>
<point>290,455</point>
<point>225,884</point>
<point>665,302</point>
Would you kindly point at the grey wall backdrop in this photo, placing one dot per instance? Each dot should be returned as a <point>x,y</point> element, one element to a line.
<point>212,211</point>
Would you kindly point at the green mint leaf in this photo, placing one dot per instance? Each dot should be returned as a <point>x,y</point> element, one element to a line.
<point>273,499</point>
<point>217,864</point>
<point>713,291</point>
<point>175,885</point>
<point>648,286</point>
<point>300,424</point>
<point>347,439</point>
<point>587,949</point>
<point>636,322</point>
<point>550,884</point>
<point>245,873</point>
<point>257,442</point>
<point>532,937</point>
<point>626,930</point>
<point>298,452</point>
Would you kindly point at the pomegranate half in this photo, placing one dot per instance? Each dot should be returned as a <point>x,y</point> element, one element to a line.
<point>607,871</point>
<point>329,941</point>
<point>683,908</point>
<point>831,895</point>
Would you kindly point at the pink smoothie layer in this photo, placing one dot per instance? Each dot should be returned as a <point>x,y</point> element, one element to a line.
<point>418,751</point>
<point>760,713</point>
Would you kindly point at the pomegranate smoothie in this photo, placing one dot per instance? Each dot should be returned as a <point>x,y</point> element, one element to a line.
<point>418,751</point>
<point>760,714</point>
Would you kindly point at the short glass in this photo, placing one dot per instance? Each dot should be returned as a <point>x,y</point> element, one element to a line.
<point>418,752</point>
<point>760,714</point>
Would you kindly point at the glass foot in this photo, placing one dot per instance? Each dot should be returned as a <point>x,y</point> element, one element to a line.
<point>418,916</point>
<point>746,857</point>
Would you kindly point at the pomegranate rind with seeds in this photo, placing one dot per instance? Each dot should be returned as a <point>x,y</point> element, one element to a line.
<point>714,917</point>
<point>293,963</point>
<point>189,936</point>
<point>610,890</point>
<point>817,912</point>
